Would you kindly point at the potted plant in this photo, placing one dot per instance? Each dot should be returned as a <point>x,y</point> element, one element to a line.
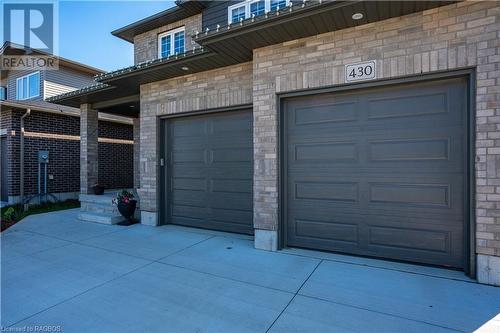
<point>125,203</point>
<point>98,189</point>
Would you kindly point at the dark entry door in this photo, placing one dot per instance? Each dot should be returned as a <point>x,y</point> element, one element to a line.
<point>4,170</point>
<point>210,171</point>
<point>379,172</point>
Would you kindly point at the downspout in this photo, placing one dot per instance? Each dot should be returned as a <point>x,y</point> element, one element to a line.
<point>21,162</point>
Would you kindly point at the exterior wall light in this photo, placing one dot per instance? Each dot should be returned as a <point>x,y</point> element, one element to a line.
<point>357,16</point>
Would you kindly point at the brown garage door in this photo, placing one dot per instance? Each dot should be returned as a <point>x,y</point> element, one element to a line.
<point>210,171</point>
<point>379,172</point>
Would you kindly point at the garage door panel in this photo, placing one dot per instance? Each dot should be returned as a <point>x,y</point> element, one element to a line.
<point>232,185</point>
<point>379,172</point>
<point>231,155</point>
<point>241,201</point>
<point>190,184</point>
<point>190,198</point>
<point>210,171</point>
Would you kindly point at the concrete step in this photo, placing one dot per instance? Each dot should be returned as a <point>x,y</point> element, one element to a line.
<point>97,199</point>
<point>100,217</point>
<point>99,208</point>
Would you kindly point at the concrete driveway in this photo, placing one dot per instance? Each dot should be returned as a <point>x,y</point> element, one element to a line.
<point>83,277</point>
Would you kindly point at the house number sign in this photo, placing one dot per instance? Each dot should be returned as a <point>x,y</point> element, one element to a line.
<point>360,71</point>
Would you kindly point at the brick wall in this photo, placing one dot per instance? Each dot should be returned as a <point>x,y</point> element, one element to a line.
<point>446,38</point>
<point>59,134</point>
<point>207,90</point>
<point>116,163</point>
<point>146,44</point>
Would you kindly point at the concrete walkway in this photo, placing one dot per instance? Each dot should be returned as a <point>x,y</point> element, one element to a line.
<point>85,277</point>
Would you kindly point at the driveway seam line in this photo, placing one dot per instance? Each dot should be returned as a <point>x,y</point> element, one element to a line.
<point>83,292</point>
<point>384,268</point>
<point>380,312</point>
<point>226,278</point>
<point>188,247</point>
<point>71,241</point>
<point>293,297</point>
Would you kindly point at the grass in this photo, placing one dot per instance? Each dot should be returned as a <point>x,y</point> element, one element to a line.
<point>14,213</point>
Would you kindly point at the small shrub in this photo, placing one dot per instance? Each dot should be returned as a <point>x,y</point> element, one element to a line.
<point>9,214</point>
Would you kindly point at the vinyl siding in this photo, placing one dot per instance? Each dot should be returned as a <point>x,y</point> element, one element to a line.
<point>216,13</point>
<point>55,81</point>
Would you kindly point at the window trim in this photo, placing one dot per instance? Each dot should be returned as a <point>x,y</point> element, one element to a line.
<point>171,33</point>
<point>246,4</point>
<point>28,82</point>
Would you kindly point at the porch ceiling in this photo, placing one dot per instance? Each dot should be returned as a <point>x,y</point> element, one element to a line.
<point>301,20</point>
<point>122,101</point>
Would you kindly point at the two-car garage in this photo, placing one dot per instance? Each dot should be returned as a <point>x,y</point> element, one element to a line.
<point>377,171</point>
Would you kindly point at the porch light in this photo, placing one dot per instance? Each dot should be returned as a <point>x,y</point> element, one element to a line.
<point>357,16</point>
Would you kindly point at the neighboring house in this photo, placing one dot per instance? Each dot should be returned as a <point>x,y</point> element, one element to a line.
<point>250,121</point>
<point>55,129</point>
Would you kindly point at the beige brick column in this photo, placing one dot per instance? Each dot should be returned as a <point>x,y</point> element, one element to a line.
<point>137,149</point>
<point>148,164</point>
<point>88,148</point>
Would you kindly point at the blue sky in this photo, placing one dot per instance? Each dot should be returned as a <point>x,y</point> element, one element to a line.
<point>85,30</point>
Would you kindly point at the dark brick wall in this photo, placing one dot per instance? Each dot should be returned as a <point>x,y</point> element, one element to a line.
<point>116,170</point>
<point>116,161</point>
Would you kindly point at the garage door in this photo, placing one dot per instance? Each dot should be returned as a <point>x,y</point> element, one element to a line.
<point>379,172</point>
<point>210,171</point>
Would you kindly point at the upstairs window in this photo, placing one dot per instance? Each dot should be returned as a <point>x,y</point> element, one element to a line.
<point>3,93</point>
<point>278,4</point>
<point>171,42</point>
<point>258,8</point>
<point>248,8</point>
<point>28,86</point>
<point>237,13</point>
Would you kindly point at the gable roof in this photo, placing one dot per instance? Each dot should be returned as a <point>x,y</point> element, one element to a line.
<point>182,10</point>
<point>9,48</point>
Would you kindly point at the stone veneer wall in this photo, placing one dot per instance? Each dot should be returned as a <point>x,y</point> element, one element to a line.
<point>201,91</point>
<point>146,44</point>
<point>456,36</point>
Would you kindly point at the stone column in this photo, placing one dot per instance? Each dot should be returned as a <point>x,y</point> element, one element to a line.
<point>137,151</point>
<point>148,166</point>
<point>88,148</point>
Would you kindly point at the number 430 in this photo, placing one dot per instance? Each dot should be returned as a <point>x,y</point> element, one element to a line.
<point>361,71</point>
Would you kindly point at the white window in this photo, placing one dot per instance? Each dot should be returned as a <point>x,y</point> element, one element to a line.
<point>28,86</point>
<point>3,93</point>
<point>171,42</point>
<point>248,8</point>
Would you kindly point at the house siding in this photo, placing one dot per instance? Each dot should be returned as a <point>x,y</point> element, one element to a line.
<point>216,13</point>
<point>65,80</point>
<point>52,82</point>
<point>146,44</point>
